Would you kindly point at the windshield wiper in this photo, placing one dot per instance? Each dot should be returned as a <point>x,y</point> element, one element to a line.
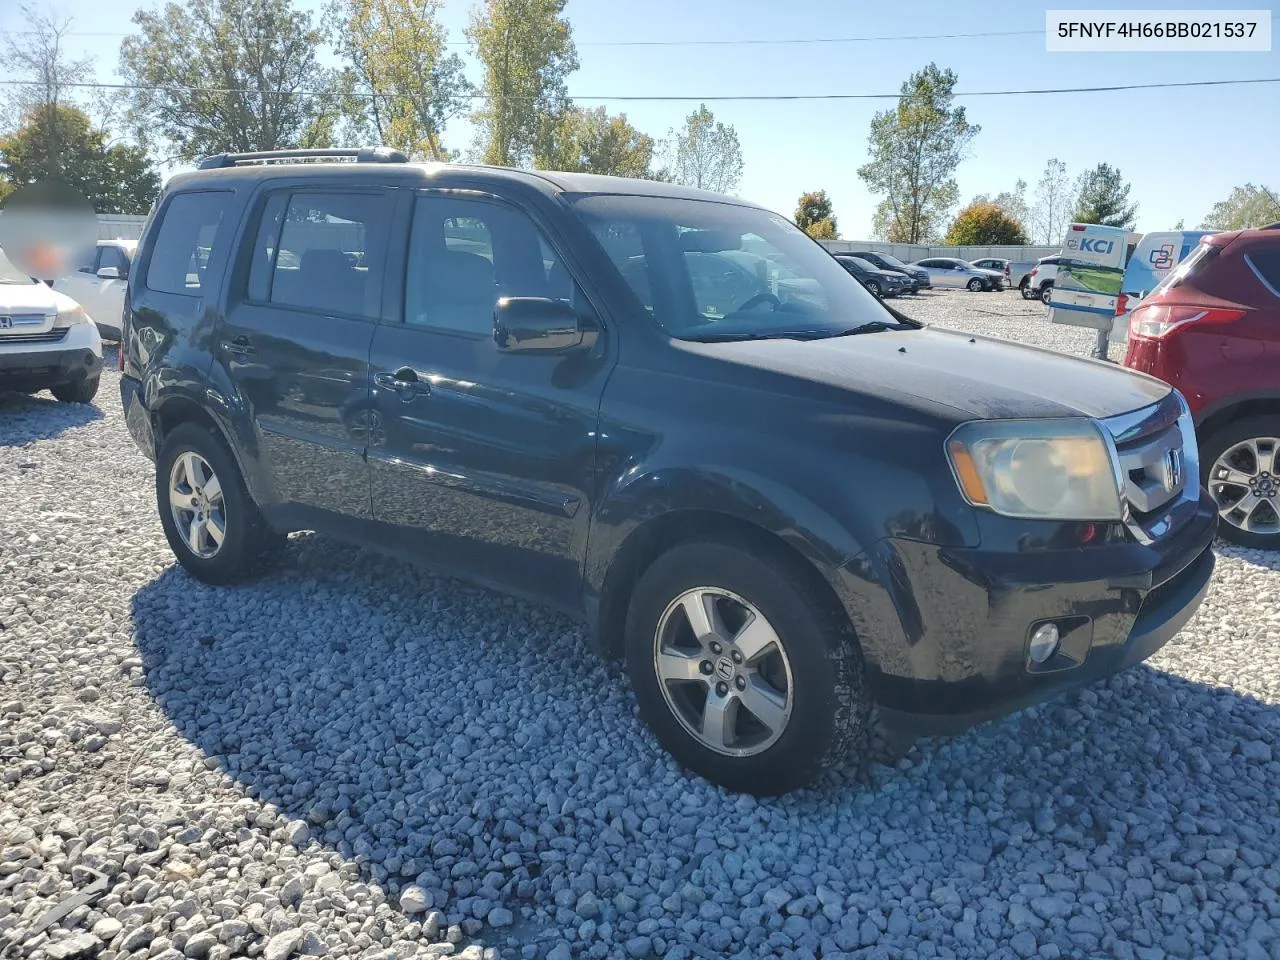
<point>873,326</point>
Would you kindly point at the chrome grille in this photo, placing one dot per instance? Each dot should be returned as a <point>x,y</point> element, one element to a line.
<point>51,336</point>
<point>1159,464</point>
<point>22,321</point>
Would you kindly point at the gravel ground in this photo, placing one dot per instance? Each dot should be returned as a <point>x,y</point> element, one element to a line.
<point>352,758</point>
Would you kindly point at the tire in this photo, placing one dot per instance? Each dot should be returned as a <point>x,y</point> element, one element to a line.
<point>76,391</point>
<point>975,285</point>
<point>1045,291</point>
<point>1024,288</point>
<point>825,715</point>
<point>247,541</point>
<point>1227,443</point>
<point>873,288</point>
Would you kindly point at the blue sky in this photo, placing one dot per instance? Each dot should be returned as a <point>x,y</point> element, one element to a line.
<point>1181,149</point>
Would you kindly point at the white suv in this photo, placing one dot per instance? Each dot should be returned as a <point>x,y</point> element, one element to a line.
<point>46,340</point>
<point>98,284</point>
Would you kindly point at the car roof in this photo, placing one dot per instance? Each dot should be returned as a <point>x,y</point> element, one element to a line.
<point>427,174</point>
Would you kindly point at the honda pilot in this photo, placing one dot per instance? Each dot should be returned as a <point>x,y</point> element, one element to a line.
<point>672,415</point>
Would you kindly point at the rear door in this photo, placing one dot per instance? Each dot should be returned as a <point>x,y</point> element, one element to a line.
<point>295,342</point>
<point>484,461</point>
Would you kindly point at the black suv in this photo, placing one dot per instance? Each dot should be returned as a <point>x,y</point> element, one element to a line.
<point>671,414</point>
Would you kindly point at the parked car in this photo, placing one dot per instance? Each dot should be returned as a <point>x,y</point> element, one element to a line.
<point>949,272</point>
<point>879,283</point>
<point>780,514</point>
<point>919,276</point>
<point>1038,284</point>
<point>998,264</point>
<point>98,284</point>
<point>1212,329</point>
<point>46,340</point>
<point>1018,270</point>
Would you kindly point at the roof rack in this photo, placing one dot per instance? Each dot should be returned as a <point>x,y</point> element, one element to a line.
<point>360,155</point>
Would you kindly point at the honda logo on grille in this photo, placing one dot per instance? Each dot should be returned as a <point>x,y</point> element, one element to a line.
<point>1171,471</point>
<point>6,323</point>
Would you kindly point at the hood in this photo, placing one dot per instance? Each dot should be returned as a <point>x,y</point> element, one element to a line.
<point>989,273</point>
<point>981,378</point>
<point>29,298</point>
<point>891,274</point>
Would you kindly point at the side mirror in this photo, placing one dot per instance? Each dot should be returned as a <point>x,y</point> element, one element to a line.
<point>109,273</point>
<point>538,325</point>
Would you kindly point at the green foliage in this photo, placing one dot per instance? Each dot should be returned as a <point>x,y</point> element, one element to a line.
<point>815,217</point>
<point>1102,197</point>
<point>591,141</point>
<point>61,143</point>
<point>1013,202</point>
<point>985,223</point>
<point>707,153</point>
<point>526,50</point>
<point>1053,199</point>
<point>915,149</point>
<point>1248,206</point>
<point>192,61</point>
<point>403,84</point>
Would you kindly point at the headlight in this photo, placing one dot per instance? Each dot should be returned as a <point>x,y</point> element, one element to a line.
<point>1041,469</point>
<point>69,318</point>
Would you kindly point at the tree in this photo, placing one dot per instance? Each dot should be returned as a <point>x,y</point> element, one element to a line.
<point>591,141</point>
<point>1102,197</point>
<point>707,153</point>
<point>815,217</point>
<point>982,223</point>
<point>115,179</point>
<point>224,75</point>
<point>1013,202</point>
<point>526,50</point>
<point>403,82</point>
<point>1178,225</point>
<point>915,149</point>
<point>1049,217</point>
<point>1247,206</point>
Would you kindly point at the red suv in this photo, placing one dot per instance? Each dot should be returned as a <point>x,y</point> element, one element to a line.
<point>1212,329</point>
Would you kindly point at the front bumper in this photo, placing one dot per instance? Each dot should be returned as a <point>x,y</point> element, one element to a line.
<point>967,615</point>
<point>34,366</point>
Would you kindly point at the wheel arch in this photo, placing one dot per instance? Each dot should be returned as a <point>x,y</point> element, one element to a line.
<point>652,538</point>
<point>1216,416</point>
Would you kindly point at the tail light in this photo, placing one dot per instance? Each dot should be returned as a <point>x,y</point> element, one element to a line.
<point>1122,304</point>
<point>120,354</point>
<point>1032,274</point>
<point>1156,321</point>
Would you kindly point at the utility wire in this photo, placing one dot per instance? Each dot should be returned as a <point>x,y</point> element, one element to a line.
<point>163,88</point>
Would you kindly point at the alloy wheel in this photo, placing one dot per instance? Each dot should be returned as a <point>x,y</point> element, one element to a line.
<point>1245,482</point>
<point>197,505</point>
<point>723,671</point>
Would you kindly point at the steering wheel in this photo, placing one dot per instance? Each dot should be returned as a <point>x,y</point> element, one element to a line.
<point>763,297</point>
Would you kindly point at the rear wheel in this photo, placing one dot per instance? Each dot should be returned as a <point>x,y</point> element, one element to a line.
<point>975,285</point>
<point>1241,469</point>
<point>212,524</point>
<point>76,391</point>
<point>742,672</point>
<point>1046,292</point>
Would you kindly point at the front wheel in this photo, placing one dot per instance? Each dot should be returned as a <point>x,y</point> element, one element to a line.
<point>212,524</point>
<point>1241,469</point>
<point>76,391</point>
<point>975,285</point>
<point>744,674</point>
<point>873,288</point>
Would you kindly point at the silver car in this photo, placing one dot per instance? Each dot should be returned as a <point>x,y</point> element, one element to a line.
<point>949,272</point>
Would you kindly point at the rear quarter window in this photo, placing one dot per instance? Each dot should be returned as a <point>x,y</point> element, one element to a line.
<point>1265,264</point>
<point>191,226</point>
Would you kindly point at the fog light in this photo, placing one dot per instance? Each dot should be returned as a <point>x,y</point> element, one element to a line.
<point>1044,642</point>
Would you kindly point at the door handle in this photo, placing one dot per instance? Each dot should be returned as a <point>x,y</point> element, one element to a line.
<point>404,381</point>
<point>240,346</point>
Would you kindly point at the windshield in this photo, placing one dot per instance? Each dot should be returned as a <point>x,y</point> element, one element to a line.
<point>11,274</point>
<point>891,261</point>
<point>709,271</point>
<point>864,264</point>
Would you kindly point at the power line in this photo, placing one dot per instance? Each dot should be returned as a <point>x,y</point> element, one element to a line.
<point>628,98</point>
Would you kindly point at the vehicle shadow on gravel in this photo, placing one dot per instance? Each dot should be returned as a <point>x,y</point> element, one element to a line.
<point>437,733</point>
<point>25,419</point>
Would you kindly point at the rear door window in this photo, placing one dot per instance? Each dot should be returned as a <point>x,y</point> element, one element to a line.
<point>1265,263</point>
<point>192,223</point>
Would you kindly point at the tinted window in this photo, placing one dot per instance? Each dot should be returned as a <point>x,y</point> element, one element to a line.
<point>322,252</point>
<point>188,232</point>
<point>1199,259</point>
<point>1266,263</point>
<point>931,263</point>
<point>705,270</point>
<point>465,254</point>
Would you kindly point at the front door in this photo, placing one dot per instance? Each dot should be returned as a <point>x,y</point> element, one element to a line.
<point>295,344</point>
<point>484,461</point>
